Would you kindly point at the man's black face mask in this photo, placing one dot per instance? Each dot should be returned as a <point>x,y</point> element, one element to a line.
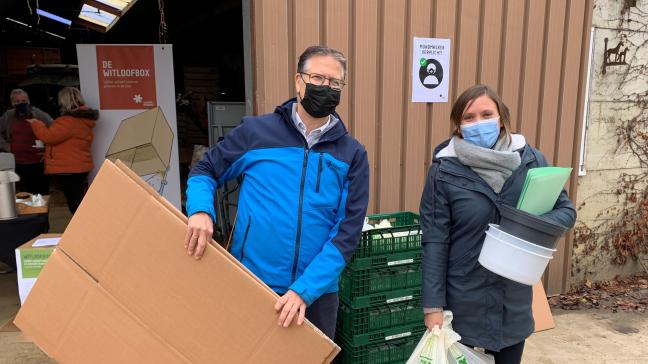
<point>23,111</point>
<point>320,101</point>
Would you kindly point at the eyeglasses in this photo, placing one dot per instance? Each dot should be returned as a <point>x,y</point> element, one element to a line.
<point>317,79</point>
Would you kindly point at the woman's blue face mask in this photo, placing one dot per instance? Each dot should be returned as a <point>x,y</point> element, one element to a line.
<point>483,133</point>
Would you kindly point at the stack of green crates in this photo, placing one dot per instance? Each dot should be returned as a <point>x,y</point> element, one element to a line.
<point>380,319</point>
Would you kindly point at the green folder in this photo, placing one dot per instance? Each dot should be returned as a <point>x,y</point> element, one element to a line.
<point>541,189</point>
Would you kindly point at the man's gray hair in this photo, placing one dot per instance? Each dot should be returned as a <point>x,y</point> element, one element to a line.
<point>17,91</point>
<point>320,50</point>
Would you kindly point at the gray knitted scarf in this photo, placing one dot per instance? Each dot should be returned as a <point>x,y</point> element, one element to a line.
<point>494,166</point>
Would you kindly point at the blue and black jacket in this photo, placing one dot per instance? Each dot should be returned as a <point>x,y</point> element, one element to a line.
<point>300,211</point>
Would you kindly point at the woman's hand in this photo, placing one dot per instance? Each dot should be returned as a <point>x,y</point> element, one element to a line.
<point>31,121</point>
<point>433,319</point>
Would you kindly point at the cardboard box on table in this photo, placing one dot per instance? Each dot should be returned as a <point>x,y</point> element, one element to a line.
<point>120,288</point>
<point>29,263</point>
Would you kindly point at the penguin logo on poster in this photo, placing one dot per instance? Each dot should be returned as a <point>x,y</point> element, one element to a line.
<point>430,73</point>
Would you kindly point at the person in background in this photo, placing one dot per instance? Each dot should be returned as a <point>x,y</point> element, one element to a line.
<point>68,157</point>
<point>303,198</point>
<point>17,137</point>
<point>482,167</point>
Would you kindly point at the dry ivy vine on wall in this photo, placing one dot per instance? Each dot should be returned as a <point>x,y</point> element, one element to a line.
<point>622,230</point>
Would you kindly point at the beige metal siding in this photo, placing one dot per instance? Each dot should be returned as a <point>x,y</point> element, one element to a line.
<point>532,51</point>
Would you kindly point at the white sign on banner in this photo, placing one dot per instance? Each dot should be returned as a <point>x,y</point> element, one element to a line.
<point>430,70</point>
<point>132,86</point>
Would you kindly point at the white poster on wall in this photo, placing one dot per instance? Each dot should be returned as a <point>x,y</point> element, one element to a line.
<point>430,70</point>
<point>132,86</point>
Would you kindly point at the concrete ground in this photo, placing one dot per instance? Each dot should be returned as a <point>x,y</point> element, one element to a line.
<point>580,336</point>
<point>591,336</point>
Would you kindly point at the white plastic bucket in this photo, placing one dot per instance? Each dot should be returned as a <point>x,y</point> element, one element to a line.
<point>497,232</point>
<point>511,261</point>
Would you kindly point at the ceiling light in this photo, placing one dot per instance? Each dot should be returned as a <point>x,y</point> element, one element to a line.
<point>53,17</point>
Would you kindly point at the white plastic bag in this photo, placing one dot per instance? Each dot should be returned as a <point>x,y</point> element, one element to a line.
<point>442,346</point>
<point>433,347</point>
<point>461,354</point>
<point>430,350</point>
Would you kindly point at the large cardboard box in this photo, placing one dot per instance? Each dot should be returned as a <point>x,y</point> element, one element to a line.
<point>120,288</point>
<point>30,260</point>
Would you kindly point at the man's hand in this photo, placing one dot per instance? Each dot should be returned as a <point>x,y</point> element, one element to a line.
<point>199,234</point>
<point>434,319</point>
<point>31,121</point>
<point>289,304</point>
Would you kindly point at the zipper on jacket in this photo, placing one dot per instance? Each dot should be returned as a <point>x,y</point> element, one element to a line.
<point>299,216</point>
<point>247,230</point>
<point>319,172</point>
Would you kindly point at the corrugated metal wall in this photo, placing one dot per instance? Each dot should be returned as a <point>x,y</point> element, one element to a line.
<point>533,52</point>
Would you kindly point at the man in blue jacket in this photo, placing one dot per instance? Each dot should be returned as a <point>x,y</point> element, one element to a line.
<point>304,194</point>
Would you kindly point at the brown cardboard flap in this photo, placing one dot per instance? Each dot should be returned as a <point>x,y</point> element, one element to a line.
<point>49,310</point>
<point>541,310</point>
<point>105,332</point>
<point>170,208</point>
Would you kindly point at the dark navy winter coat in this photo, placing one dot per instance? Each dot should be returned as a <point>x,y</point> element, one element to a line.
<point>490,311</point>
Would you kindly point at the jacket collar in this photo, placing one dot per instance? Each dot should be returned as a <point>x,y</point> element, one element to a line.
<point>446,154</point>
<point>335,133</point>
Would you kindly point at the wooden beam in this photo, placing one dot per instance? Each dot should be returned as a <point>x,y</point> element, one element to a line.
<point>105,7</point>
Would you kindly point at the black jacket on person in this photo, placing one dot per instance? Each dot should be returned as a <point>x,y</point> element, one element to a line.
<point>457,205</point>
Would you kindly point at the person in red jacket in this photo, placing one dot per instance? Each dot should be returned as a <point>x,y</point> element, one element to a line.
<point>68,157</point>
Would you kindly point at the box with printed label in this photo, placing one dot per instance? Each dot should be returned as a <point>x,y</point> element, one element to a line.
<point>30,260</point>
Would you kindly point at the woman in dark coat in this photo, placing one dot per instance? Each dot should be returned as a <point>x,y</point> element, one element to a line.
<point>481,168</point>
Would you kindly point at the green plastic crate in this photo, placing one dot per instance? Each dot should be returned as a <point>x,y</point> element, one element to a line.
<point>384,335</point>
<point>364,320</point>
<point>393,352</point>
<point>405,234</point>
<point>355,283</point>
<point>381,298</point>
<point>386,260</point>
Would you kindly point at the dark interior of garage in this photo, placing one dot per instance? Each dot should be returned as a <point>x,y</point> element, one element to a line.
<point>207,39</point>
